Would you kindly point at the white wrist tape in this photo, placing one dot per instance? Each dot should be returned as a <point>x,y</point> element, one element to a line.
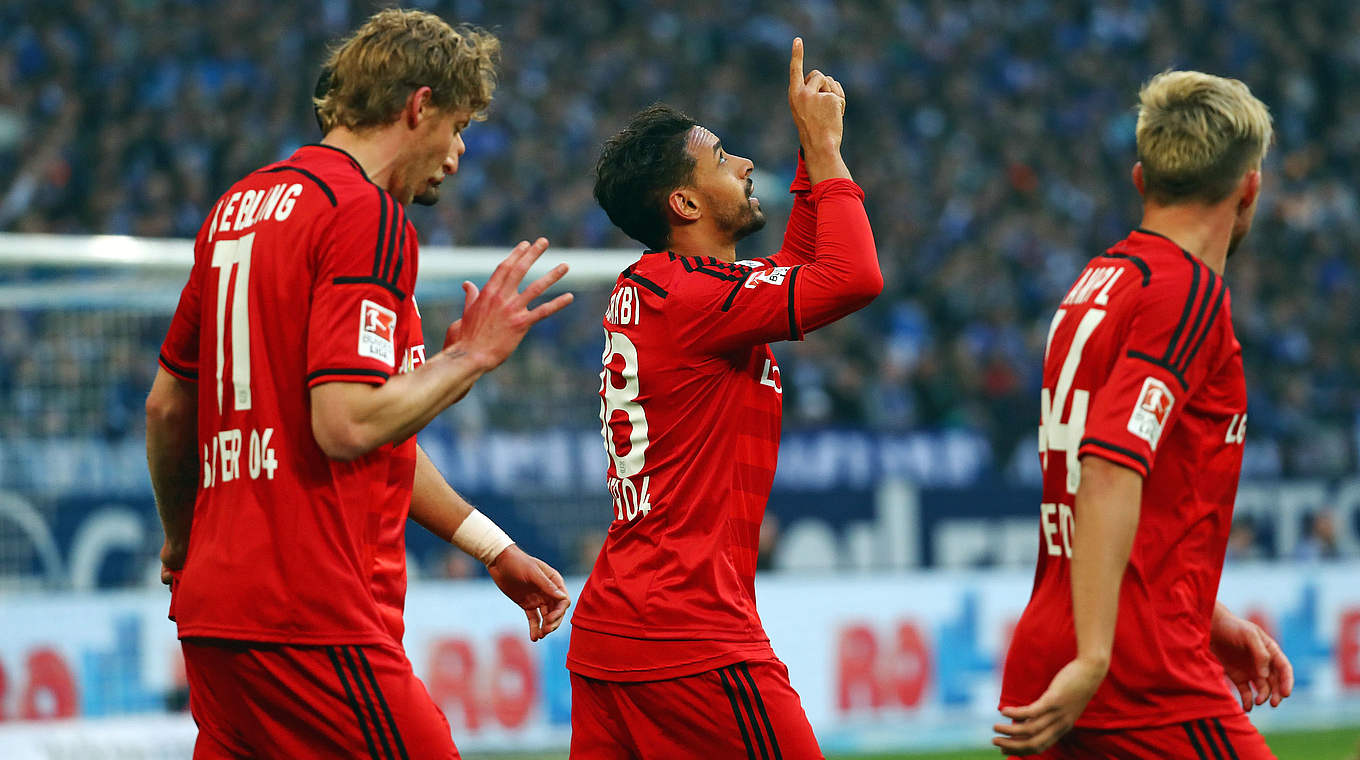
<point>480,537</point>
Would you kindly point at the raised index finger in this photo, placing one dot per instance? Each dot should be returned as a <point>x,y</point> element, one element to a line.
<point>796,64</point>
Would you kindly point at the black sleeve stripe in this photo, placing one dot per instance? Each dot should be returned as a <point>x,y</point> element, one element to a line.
<point>359,371</point>
<point>384,284</point>
<point>401,250</point>
<point>733,295</point>
<point>324,188</point>
<point>390,247</point>
<point>1208,326</point>
<point>396,242</point>
<point>768,261</point>
<point>1199,318</point>
<point>1136,261</point>
<point>191,374</point>
<point>1130,453</point>
<point>382,230</point>
<point>793,311</point>
<point>1180,378</point>
<point>1185,313</point>
<point>646,283</point>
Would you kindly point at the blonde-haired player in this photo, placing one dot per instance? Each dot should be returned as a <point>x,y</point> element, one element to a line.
<point>295,368</point>
<point>1142,419</point>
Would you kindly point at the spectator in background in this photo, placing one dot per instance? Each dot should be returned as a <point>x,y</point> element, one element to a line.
<point>1319,541</point>
<point>975,113</point>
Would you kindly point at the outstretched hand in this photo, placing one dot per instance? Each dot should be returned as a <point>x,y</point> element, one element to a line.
<point>1040,724</point>
<point>496,317</point>
<point>1252,660</point>
<point>535,586</point>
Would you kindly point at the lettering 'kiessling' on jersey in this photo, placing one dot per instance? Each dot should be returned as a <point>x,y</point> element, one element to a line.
<point>302,275</point>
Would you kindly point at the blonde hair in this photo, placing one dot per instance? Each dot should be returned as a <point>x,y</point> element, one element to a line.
<point>374,71</point>
<point>1197,135</point>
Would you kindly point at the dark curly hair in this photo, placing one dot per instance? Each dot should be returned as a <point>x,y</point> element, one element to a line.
<point>638,169</point>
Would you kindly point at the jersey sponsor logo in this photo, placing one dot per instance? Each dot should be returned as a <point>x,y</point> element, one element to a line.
<point>414,357</point>
<point>377,326</point>
<point>772,276</point>
<point>1151,411</point>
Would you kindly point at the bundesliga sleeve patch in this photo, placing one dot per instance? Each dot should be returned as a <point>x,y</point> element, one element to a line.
<point>377,328</point>
<point>1151,411</point>
<point>773,276</point>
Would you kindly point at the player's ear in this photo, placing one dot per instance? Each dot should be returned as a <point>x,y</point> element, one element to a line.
<point>684,203</point>
<point>418,106</point>
<point>1138,176</point>
<point>1251,187</point>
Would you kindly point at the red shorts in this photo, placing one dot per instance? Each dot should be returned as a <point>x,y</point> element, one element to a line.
<point>253,700</point>
<point>746,711</point>
<point>1230,738</point>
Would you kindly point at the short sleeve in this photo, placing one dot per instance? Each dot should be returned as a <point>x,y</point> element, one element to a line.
<point>1173,342</point>
<point>353,333</point>
<point>179,352</point>
<point>722,307</point>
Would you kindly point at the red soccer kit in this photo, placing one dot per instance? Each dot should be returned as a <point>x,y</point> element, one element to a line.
<point>691,400</point>
<point>1142,369</point>
<point>302,275</point>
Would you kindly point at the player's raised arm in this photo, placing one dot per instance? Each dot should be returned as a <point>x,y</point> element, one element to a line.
<point>842,275</point>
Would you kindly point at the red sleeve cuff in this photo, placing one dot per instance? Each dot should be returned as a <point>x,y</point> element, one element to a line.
<point>836,186</point>
<point>802,183</point>
<point>347,375</point>
<point>1119,455</point>
<point>181,370</point>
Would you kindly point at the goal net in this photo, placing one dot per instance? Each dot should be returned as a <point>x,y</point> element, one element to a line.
<point>81,321</point>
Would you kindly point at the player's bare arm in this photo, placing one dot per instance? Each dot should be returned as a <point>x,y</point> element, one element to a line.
<point>1252,660</point>
<point>528,581</point>
<point>1107,506</point>
<point>172,458</point>
<point>351,419</point>
<point>818,105</point>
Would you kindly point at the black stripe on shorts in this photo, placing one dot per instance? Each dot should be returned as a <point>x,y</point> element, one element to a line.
<point>368,702</point>
<point>1223,737</point>
<point>736,713</point>
<point>353,703</point>
<point>760,705</point>
<point>382,701</point>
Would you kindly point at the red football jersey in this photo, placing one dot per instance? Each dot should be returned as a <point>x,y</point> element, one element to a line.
<point>1142,369</point>
<point>691,402</point>
<point>302,275</point>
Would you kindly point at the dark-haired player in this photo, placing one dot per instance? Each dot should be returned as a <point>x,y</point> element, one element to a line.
<point>668,656</point>
<point>1142,418</point>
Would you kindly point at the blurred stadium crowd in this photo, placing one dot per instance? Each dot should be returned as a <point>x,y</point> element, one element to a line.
<point>993,138</point>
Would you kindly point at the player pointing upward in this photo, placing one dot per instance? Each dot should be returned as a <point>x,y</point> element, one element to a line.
<point>1142,418</point>
<point>668,656</point>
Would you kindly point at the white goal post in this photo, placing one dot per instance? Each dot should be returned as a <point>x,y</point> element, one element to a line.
<point>151,264</point>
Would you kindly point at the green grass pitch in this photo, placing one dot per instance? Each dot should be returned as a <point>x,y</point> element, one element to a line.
<point>1334,744</point>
